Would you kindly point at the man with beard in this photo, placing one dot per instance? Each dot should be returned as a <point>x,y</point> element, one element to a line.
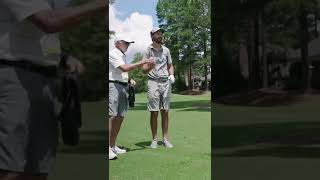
<point>30,53</point>
<point>160,78</point>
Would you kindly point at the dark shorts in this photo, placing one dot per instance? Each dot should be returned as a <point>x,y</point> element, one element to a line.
<point>28,121</point>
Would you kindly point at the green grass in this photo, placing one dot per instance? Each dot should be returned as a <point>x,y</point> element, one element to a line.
<point>266,143</point>
<point>88,160</point>
<point>189,131</point>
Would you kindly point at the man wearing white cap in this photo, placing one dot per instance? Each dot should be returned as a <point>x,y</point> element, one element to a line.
<point>160,78</point>
<point>118,89</point>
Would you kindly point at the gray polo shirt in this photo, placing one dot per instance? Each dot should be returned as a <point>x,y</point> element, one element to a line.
<point>21,39</point>
<point>163,58</point>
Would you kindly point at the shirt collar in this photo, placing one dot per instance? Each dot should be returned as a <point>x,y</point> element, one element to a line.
<point>151,47</point>
<point>119,53</point>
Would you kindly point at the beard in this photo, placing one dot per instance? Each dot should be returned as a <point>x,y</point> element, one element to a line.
<point>158,40</point>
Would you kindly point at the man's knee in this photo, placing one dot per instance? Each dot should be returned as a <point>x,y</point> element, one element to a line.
<point>116,118</point>
<point>154,113</point>
<point>164,111</point>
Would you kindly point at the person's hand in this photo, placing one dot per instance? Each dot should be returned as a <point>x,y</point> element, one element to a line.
<point>133,82</point>
<point>73,65</point>
<point>148,61</point>
<point>153,62</point>
<point>171,79</point>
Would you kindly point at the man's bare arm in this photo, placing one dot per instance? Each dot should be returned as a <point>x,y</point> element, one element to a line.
<point>52,21</point>
<point>129,67</point>
<point>170,69</point>
<point>147,67</point>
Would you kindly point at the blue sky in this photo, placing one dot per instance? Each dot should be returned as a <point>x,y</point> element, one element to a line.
<point>127,7</point>
<point>134,19</point>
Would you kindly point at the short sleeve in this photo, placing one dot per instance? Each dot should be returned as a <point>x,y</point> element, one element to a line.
<point>22,9</point>
<point>114,61</point>
<point>146,54</point>
<point>169,57</point>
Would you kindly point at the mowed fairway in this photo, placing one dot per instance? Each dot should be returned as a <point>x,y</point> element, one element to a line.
<point>189,132</point>
<point>267,143</point>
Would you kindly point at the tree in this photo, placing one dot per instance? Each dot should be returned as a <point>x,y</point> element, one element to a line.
<point>138,75</point>
<point>262,27</point>
<point>187,31</point>
<point>303,13</point>
<point>230,29</point>
<point>111,32</point>
<point>87,43</point>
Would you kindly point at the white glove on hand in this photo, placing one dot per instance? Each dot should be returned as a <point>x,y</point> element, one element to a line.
<point>171,79</point>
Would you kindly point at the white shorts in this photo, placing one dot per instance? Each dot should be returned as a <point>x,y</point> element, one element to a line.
<point>159,93</point>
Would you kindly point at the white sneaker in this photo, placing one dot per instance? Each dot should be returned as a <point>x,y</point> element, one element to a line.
<point>117,150</point>
<point>167,144</point>
<point>112,155</point>
<point>154,144</point>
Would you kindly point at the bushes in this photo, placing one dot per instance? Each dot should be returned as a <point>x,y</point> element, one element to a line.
<point>227,78</point>
<point>294,81</point>
<point>179,85</point>
<point>316,75</point>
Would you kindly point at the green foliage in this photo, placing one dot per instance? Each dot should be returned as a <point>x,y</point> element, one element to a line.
<point>111,32</point>
<point>138,75</point>
<point>87,42</point>
<point>187,31</point>
<point>236,21</point>
<point>179,85</point>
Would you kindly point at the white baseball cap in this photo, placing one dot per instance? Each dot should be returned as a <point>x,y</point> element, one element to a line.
<point>122,37</point>
<point>155,29</point>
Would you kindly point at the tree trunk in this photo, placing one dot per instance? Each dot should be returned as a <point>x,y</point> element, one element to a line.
<point>304,39</point>
<point>253,52</point>
<point>256,65</point>
<point>316,33</point>
<point>205,65</point>
<point>205,77</point>
<point>263,53</point>
<point>190,78</point>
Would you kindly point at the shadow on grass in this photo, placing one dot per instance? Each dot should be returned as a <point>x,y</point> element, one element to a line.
<point>91,142</point>
<point>196,105</point>
<point>287,140</point>
<point>260,98</point>
<point>199,109</point>
<point>291,133</point>
<point>281,152</point>
<point>142,145</point>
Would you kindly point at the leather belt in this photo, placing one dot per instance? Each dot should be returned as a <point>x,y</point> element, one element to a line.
<point>119,82</point>
<point>49,71</point>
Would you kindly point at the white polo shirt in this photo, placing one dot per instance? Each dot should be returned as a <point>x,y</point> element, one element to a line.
<point>20,39</point>
<point>116,59</point>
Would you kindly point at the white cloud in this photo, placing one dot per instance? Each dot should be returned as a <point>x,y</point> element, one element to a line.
<point>137,26</point>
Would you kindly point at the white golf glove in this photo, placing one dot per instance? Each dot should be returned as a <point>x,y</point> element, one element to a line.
<point>171,79</point>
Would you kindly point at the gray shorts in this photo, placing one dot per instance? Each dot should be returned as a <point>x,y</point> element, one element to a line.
<point>159,93</point>
<point>28,121</point>
<point>118,99</point>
